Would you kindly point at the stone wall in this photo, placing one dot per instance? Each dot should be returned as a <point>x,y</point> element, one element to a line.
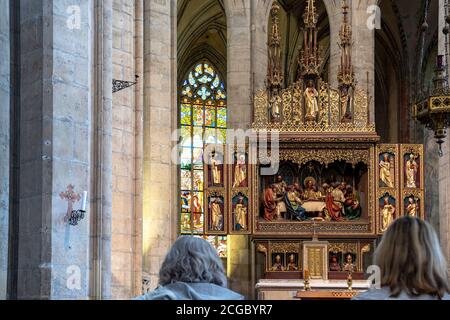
<point>4,142</point>
<point>54,150</point>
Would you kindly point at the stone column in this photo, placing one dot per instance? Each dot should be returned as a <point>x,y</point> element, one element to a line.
<point>364,50</point>
<point>334,11</point>
<point>4,142</point>
<point>239,68</point>
<point>55,86</point>
<point>444,164</point>
<point>102,150</point>
<point>260,33</point>
<point>160,204</point>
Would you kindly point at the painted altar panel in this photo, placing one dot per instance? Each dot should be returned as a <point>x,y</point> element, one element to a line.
<point>216,178</point>
<point>240,197</point>
<point>388,185</point>
<point>331,184</point>
<point>412,180</point>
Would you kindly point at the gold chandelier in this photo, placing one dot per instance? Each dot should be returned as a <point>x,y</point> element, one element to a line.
<point>433,110</point>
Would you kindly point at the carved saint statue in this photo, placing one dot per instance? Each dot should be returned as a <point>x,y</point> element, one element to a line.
<point>411,172</point>
<point>334,264</point>
<point>346,104</point>
<point>292,265</point>
<point>275,107</point>
<point>385,171</point>
<point>240,215</point>
<point>311,102</point>
<point>270,205</point>
<point>216,214</point>
<point>387,214</point>
<point>349,266</point>
<point>411,208</point>
<point>294,204</point>
<point>280,192</point>
<point>278,265</point>
<point>216,174</point>
<point>240,172</point>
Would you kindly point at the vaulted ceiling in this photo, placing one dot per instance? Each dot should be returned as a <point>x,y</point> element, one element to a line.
<point>202,34</point>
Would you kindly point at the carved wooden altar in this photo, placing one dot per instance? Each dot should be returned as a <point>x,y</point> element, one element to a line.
<point>334,180</point>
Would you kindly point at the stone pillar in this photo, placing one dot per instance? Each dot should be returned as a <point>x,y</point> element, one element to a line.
<point>260,33</point>
<point>53,260</point>
<point>160,204</point>
<point>102,150</point>
<point>4,142</point>
<point>239,68</point>
<point>334,11</point>
<point>364,50</point>
<point>125,137</point>
<point>444,164</point>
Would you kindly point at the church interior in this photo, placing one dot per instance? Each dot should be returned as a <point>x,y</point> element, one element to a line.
<point>289,134</point>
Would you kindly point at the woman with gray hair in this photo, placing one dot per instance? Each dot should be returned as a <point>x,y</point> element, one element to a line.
<point>192,270</point>
<point>411,262</point>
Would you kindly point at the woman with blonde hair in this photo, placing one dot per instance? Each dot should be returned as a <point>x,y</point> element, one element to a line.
<point>192,270</point>
<point>411,263</point>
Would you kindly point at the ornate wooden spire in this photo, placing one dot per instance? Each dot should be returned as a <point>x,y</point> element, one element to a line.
<point>310,59</point>
<point>346,75</point>
<point>275,75</point>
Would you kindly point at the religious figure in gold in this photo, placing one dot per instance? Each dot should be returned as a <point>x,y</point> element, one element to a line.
<point>349,266</point>
<point>240,215</point>
<point>387,214</point>
<point>385,171</point>
<point>292,264</point>
<point>346,104</point>
<point>215,169</point>
<point>275,107</point>
<point>311,102</point>
<point>412,207</point>
<point>411,172</point>
<point>216,215</point>
<point>240,172</point>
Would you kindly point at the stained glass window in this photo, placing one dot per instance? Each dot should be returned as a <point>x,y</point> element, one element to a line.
<point>203,120</point>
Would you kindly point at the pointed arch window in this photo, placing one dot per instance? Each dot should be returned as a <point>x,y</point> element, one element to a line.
<point>203,120</point>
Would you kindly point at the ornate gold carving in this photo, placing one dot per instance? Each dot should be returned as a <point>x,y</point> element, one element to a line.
<point>293,112</point>
<point>326,156</point>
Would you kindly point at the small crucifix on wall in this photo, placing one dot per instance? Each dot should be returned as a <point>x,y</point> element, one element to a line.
<point>71,197</point>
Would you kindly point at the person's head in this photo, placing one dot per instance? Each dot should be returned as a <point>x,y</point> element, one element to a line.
<point>278,259</point>
<point>411,260</point>
<point>279,179</point>
<point>349,258</point>
<point>291,258</point>
<point>192,260</point>
<point>386,157</point>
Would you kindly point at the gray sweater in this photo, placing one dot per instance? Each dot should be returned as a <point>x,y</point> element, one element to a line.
<point>191,291</point>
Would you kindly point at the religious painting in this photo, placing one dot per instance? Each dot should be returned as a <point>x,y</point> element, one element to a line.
<point>216,213</point>
<point>277,262</point>
<point>240,170</point>
<point>240,210</point>
<point>387,205</point>
<point>293,263</point>
<point>215,166</point>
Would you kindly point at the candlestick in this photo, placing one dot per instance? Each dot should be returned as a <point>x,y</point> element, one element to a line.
<point>84,202</point>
